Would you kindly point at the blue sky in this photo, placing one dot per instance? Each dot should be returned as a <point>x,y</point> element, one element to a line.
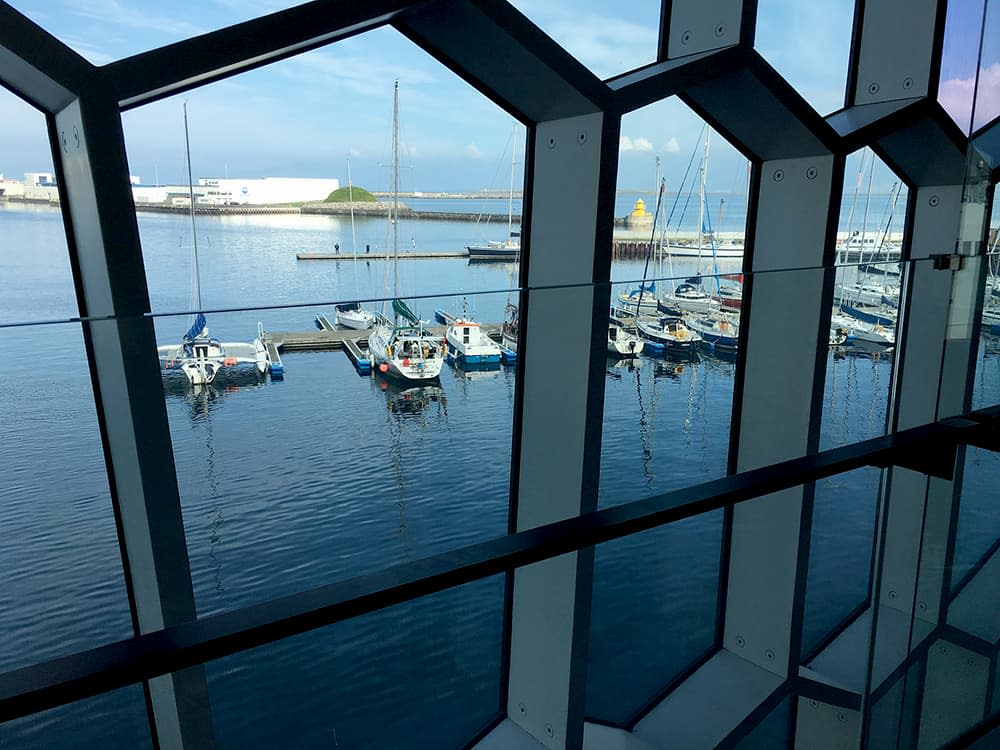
<point>305,116</point>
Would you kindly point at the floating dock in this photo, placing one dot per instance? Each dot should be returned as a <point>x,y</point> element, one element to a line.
<point>352,346</point>
<point>353,343</point>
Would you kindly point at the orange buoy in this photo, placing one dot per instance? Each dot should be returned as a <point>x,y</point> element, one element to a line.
<point>383,367</point>
<point>406,361</point>
<point>229,361</point>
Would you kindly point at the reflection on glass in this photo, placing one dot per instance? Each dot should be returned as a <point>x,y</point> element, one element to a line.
<point>772,732</point>
<point>821,78</point>
<point>111,720</point>
<point>425,673</point>
<point>654,615</point>
<point>840,550</point>
<point>987,104</point>
<point>357,219</point>
<point>607,38</point>
<point>677,256</point>
<point>962,32</point>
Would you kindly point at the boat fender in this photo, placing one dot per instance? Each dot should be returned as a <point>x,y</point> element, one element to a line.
<point>406,361</point>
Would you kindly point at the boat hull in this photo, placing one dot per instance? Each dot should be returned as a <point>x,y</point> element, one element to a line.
<point>489,253</point>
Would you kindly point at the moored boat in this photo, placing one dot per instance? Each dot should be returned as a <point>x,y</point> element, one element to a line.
<point>719,331</point>
<point>671,332</point>
<point>622,343</point>
<point>467,343</point>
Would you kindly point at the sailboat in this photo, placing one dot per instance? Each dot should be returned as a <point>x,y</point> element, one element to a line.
<point>689,296</point>
<point>402,347</point>
<point>734,248</point>
<point>199,356</point>
<point>351,314</point>
<point>510,248</point>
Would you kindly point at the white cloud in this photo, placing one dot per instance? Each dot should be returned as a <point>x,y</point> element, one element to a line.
<point>605,44</point>
<point>473,151</point>
<point>640,145</point>
<point>135,18</point>
<point>956,96</point>
<point>672,146</point>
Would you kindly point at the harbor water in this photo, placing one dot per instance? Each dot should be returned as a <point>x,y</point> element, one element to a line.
<point>289,485</point>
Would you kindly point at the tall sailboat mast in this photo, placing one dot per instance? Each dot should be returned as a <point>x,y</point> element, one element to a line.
<point>395,189</point>
<point>701,203</point>
<point>510,194</point>
<point>194,229</point>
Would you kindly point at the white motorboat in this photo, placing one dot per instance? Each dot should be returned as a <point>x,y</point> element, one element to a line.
<point>352,315</point>
<point>621,343</point>
<point>468,343</point>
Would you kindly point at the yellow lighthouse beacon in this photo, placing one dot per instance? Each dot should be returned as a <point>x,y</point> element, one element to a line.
<point>639,218</point>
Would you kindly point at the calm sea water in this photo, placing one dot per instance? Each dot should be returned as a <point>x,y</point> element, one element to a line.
<point>289,485</point>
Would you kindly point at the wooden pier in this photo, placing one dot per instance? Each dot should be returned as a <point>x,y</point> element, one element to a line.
<point>382,256</point>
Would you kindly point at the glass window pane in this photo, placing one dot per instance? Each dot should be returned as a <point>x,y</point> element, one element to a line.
<point>810,45</point>
<point>108,30</point>
<point>64,588</point>
<point>987,105</point>
<point>654,616</point>
<point>425,673</point>
<point>840,552</point>
<point>266,165</point>
<point>962,31</point>
<point>607,38</point>
<point>668,410</point>
<point>866,302</point>
<point>112,720</point>
<point>290,483</point>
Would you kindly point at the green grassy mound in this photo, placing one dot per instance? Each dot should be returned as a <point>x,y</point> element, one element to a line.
<point>343,195</point>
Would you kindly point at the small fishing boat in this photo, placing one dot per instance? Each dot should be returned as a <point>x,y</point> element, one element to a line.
<point>622,343</point>
<point>671,332</point>
<point>468,344</point>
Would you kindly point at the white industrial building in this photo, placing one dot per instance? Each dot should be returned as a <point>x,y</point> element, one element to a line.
<point>268,190</point>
